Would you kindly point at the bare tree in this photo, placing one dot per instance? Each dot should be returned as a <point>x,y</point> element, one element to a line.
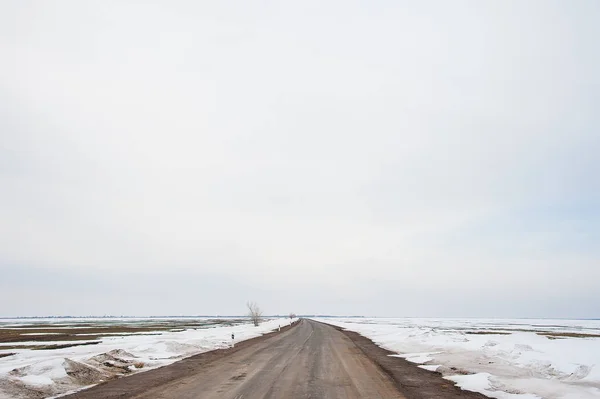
<point>254,313</point>
<point>292,315</point>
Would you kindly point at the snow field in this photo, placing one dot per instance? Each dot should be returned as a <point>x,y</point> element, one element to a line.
<point>504,359</point>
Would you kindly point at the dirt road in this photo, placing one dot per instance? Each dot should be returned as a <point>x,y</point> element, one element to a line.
<point>311,360</point>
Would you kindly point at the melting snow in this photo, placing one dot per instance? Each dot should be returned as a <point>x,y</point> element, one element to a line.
<point>59,371</point>
<point>505,359</point>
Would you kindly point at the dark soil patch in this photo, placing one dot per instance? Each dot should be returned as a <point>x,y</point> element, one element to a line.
<point>62,346</point>
<point>558,335</point>
<point>48,347</point>
<point>94,331</point>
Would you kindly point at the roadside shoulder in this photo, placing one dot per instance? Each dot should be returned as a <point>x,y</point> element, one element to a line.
<point>412,381</point>
<point>136,384</point>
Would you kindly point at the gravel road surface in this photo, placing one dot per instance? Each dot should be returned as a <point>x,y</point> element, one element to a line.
<point>308,360</point>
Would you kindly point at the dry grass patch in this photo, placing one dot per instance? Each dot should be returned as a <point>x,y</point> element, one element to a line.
<point>559,335</point>
<point>488,332</point>
<point>92,331</point>
<point>46,347</point>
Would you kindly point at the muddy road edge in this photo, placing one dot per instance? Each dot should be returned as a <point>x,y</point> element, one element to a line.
<point>412,381</point>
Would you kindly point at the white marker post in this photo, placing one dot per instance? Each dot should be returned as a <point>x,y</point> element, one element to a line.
<point>232,340</point>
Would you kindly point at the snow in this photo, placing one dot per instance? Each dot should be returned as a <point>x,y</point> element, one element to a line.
<point>58,371</point>
<point>430,367</point>
<point>43,373</point>
<point>109,333</point>
<point>505,359</point>
<point>50,333</point>
<point>480,382</point>
<point>417,357</point>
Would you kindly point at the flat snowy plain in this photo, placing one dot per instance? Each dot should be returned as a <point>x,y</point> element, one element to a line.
<point>30,371</point>
<point>505,359</point>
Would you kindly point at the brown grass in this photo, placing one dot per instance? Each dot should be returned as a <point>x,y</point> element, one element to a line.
<point>97,330</point>
<point>47,347</point>
<point>549,334</point>
<point>558,335</point>
<point>488,332</point>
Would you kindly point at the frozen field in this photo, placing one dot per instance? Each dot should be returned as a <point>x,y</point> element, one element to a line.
<point>516,359</point>
<point>46,357</point>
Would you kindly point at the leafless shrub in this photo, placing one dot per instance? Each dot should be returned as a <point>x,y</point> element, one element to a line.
<point>254,313</point>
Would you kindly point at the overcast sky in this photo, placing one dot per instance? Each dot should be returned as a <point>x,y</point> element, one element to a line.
<point>386,158</point>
